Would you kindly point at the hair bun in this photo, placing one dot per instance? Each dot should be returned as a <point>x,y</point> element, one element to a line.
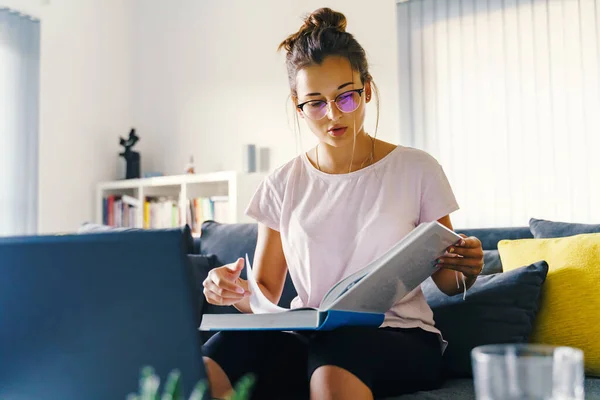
<point>325,18</point>
<point>317,21</point>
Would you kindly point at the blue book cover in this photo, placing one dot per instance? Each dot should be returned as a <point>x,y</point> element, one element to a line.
<point>292,320</point>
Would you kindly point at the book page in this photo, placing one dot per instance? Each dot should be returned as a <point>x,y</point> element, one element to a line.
<point>350,281</point>
<point>343,286</point>
<point>400,271</point>
<point>259,304</point>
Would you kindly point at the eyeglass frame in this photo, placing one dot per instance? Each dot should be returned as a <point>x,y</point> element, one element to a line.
<point>359,91</point>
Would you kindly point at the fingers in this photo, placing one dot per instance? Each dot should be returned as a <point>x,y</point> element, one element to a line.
<point>464,252</point>
<point>212,298</point>
<point>224,282</point>
<point>223,293</point>
<point>220,286</point>
<point>233,270</point>
<point>454,251</point>
<point>468,242</point>
<point>463,261</point>
<point>466,265</point>
<point>238,266</point>
<point>465,256</point>
<point>215,299</point>
<point>220,296</point>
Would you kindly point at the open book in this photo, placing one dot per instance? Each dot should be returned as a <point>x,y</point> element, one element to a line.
<point>361,298</point>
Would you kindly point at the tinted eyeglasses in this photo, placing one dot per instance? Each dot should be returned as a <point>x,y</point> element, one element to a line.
<point>345,102</point>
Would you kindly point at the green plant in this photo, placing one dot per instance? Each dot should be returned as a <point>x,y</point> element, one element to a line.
<point>149,387</point>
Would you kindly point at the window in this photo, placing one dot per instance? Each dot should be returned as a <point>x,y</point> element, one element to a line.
<point>19,98</point>
<point>506,95</point>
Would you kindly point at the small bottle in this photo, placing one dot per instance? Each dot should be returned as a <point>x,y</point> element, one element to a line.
<point>249,158</point>
<point>189,169</point>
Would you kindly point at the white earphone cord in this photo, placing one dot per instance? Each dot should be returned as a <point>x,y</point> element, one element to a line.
<point>464,283</point>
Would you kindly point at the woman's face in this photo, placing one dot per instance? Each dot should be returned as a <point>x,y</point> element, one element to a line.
<point>321,85</point>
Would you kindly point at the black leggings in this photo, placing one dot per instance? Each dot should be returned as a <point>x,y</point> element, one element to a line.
<point>390,361</point>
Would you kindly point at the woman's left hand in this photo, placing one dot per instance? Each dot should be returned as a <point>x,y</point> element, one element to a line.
<point>466,256</point>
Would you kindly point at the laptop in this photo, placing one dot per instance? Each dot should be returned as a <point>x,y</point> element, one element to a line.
<point>81,315</point>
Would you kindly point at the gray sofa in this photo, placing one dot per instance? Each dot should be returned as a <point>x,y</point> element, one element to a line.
<point>225,243</point>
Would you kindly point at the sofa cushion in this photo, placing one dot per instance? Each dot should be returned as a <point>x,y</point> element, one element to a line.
<point>490,237</point>
<point>463,389</point>
<point>592,388</point>
<point>543,229</point>
<point>492,262</point>
<point>499,308</point>
<point>228,242</point>
<point>90,227</point>
<point>453,389</point>
<point>570,306</point>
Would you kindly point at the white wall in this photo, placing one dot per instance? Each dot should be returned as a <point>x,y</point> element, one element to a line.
<point>85,101</point>
<point>188,75</point>
<point>208,77</point>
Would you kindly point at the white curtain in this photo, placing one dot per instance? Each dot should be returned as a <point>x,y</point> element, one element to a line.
<point>506,95</point>
<point>19,99</point>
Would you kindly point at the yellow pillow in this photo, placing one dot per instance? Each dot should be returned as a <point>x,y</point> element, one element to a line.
<point>569,311</point>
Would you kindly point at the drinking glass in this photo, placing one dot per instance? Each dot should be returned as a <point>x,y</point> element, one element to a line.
<point>528,372</point>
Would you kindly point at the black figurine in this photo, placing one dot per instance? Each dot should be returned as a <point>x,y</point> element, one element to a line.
<point>131,157</point>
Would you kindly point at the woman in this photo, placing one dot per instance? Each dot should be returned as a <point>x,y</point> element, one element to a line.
<point>326,214</point>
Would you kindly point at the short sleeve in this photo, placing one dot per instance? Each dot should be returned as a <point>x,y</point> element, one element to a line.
<point>265,205</point>
<point>437,197</point>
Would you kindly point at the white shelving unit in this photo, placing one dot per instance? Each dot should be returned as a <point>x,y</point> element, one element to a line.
<point>237,186</point>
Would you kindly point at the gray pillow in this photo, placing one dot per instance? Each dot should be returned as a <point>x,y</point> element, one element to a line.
<point>229,241</point>
<point>543,229</point>
<point>499,308</point>
<point>493,264</point>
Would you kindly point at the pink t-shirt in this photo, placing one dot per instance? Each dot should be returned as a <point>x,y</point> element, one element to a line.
<point>333,225</point>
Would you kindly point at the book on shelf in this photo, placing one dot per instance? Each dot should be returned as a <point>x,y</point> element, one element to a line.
<point>159,212</point>
<point>120,210</point>
<point>360,299</point>
<point>202,209</point>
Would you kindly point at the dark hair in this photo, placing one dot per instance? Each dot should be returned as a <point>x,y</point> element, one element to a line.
<point>323,34</point>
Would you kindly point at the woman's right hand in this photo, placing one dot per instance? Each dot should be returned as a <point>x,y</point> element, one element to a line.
<point>223,285</point>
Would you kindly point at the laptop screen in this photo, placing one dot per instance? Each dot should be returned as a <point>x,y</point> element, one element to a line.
<point>81,315</point>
